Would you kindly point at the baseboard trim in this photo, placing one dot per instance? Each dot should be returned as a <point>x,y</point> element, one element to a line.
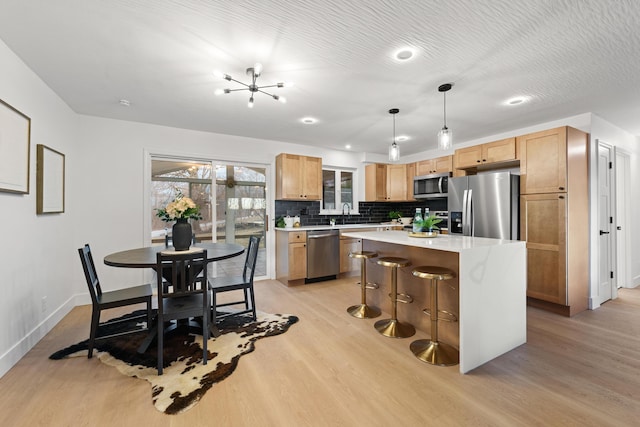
<point>22,347</point>
<point>548,306</point>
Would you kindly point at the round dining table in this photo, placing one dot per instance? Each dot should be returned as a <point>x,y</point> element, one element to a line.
<point>146,257</point>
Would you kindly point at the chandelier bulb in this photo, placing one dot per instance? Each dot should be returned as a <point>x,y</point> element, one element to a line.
<point>282,99</point>
<point>257,69</point>
<point>250,104</point>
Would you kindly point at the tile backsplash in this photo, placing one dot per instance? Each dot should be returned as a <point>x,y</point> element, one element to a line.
<point>370,212</point>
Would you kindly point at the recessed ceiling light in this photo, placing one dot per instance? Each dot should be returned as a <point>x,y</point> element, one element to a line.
<point>125,102</point>
<point>402,138</point>
<point>348,146</point>
<point>516,100</point>
<point>309,120</point>
<point>404,54</point>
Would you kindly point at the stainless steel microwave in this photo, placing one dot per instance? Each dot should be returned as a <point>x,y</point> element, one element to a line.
<point>431,186</point>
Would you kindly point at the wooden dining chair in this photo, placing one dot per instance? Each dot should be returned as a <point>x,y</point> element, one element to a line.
<point>186,298</point>
<point>105,300</point>
<point>243,283</point>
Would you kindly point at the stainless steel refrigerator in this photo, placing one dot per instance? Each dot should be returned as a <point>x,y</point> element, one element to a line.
<point>485,205</point>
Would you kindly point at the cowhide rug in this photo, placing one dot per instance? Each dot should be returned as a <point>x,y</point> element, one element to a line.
<point>185,379</point>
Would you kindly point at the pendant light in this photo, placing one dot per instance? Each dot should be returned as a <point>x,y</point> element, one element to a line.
<point>444,136</point>
<point>394,149</point>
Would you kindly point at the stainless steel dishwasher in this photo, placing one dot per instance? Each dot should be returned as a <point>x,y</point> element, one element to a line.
<point>323,255</point>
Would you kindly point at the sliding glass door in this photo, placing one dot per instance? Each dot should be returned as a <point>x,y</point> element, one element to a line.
<point>231,198</point>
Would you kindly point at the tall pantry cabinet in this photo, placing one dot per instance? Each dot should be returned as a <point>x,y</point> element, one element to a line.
<point>554,218</point>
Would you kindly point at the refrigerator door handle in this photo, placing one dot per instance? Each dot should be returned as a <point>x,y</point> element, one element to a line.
<point>465,214</point>
<point>470,212</point>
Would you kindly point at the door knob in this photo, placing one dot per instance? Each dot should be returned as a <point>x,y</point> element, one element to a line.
<point>603,232</point>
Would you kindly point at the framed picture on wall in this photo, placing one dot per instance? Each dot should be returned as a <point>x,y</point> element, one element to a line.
<point>15,136</point>
<point>50,180</point>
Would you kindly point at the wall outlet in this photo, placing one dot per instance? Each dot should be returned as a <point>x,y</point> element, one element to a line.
<point>44,304</point>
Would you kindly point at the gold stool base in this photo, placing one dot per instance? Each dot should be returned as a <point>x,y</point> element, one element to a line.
<point>435,353</point>
<point>363,311</point>
<point>394,329</point>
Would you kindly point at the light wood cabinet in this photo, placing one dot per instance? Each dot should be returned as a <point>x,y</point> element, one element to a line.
<point>291,257</point>
<point>543,163</point>
<point>385,183</point>
<point>298,177</point>
<point>554,218</point>
<point>543,228</point>
<point>297,261</point>
<point>489,154</point>
<point>396,182</point>
<point>439,165</point>
<point>411,173</point>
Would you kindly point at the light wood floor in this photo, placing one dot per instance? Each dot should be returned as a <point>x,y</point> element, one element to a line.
<point>334,370</point>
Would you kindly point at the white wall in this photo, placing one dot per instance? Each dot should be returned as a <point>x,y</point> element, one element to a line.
<point>112,172</point>
<point>36,251</point>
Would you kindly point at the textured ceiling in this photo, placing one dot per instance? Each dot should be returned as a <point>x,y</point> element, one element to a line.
<point>568,57</point>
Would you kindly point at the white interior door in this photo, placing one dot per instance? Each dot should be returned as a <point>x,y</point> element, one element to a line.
<point>605,223</point>
<point>622,219</point>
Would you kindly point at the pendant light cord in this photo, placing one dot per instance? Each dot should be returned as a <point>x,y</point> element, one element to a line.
<point>394,129</point>
<point>445,108</point>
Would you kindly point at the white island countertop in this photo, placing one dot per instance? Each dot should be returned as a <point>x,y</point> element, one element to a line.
<point>443,242</point>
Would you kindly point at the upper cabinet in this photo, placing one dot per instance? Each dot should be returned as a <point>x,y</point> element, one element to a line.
<point>298,177</point>
<point>488,154</point>
<point>543,161</point>
<point>440,165</point>
<point>411,173</point>
<point>386,183</point>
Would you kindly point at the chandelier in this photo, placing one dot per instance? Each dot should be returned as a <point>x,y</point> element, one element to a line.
<point>253,72</point>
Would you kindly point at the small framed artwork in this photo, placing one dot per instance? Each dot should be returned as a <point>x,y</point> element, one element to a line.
<point>50,180</point>
<point>15,135</point>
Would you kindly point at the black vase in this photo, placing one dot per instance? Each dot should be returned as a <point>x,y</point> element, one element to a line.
<point>181,235</point>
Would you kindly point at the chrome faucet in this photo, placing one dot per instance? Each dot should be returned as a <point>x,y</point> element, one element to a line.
<point>348,210</point>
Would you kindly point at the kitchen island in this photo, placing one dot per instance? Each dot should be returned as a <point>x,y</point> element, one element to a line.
<point>488,293</point>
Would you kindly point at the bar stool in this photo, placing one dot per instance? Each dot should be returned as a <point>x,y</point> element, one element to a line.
<point>433,351</point>
<point>362,310</point>
<point>392,327</point>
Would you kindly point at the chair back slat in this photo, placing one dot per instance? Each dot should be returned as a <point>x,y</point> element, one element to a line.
<point>182,272</point>
<point>90,273</point>
<point>252,257</point>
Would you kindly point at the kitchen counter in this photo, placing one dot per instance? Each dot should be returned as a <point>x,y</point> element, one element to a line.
<point>382,226</point>
<point>488,293</point>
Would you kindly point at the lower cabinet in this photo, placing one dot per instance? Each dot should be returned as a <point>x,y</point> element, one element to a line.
<point>291,257</point>
<point>543,218</point>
